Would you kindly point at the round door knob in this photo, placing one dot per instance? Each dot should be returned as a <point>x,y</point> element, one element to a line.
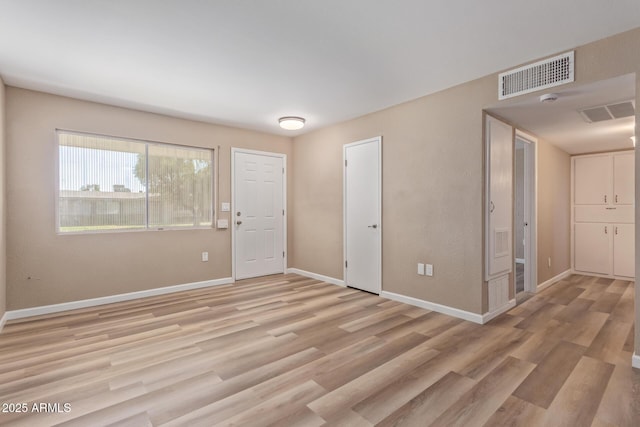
<point>373,226</point>
<point>238,222</point>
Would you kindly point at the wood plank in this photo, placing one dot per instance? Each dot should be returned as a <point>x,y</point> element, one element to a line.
<point>606,303</point>
<point>515,412</point>
<point>542,385</point>
<point>424,408</point>
<point>577,401</point>
<point>608,344</point>
<point>278,407</point>
<point>477,405</point>
<point>586,327</point>
<point>620,403</point>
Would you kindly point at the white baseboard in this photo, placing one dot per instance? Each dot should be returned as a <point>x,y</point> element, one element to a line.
<point>3,320</point>
<point>635,361</point>
<point>519,260</point>
<point>498,311</point>
<point>444,309</point>
<point>316,276</point>
<point>604,276</point>
<point>553,280</point>
<point>55,308</point>
<point>460,314</point>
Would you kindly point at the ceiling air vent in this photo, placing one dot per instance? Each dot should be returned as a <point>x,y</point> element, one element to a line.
<point>540,75</point>
<point>618,110</point>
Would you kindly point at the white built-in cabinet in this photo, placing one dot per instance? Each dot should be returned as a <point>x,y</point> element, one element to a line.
<point>603,214</point>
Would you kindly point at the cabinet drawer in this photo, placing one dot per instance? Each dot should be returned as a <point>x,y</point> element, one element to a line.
<point>619,214</point>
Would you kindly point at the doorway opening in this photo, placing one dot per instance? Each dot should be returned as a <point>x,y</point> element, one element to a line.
<point>524,216</point>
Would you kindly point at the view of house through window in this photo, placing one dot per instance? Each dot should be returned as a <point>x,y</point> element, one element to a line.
<point>109,183</point>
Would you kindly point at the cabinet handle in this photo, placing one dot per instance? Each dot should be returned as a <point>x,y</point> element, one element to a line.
<point>616,231</point>
<point>605,198</point>
<point>605,230</point>
<point>616,198</point>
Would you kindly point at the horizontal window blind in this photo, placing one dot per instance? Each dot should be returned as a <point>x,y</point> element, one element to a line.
<point>115,184</point>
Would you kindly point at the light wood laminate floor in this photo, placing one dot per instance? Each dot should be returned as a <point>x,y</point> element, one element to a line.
<point>291,351</point>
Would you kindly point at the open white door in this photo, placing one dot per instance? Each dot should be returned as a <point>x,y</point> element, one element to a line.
<point>499,209</point>
<point>258,222</point>
<point>528,144</point>
<point>362,214</point>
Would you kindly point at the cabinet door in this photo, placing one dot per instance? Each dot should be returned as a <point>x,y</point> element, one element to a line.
<point>592,180</point>
<point>623,250</point>
<point>592,247</point>
<point>623,178</point>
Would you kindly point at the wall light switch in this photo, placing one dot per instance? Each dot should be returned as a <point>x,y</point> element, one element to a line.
<point>428,269</point>
<point>223,223</point>
<point>421,269</point>
<point>225,207</point>
<point>205,256</point>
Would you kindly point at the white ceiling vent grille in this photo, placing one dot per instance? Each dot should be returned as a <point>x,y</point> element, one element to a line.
<point>540,75</point>
<point>618,110</point>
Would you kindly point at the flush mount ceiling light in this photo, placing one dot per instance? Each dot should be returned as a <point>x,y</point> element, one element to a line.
<point>549,97</point>
<point>291,123</point>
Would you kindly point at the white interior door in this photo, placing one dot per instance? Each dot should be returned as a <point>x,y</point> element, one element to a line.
<point>258,213</point>
<point>499,214</point>
<point>362,215</point>
<point>525,210</point>
<point>529,216</point>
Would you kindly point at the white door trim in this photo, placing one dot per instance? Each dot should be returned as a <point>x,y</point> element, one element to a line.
<point>344,207</point>
<point>233,204</point>
<point>531,204</point>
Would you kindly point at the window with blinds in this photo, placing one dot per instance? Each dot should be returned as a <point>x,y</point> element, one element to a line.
<point>116,184</point>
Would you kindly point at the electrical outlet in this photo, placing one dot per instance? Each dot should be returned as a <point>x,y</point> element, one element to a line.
<point>428,269</point>
<point>225,207</point>
<point>205,256</point>
<point>421,269</point>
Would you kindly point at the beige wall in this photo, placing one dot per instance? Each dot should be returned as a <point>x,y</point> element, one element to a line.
<point>74,267</point>
<point>431,195</point>
<point>554,211</point>
<point>432,186</point>
<point>3,228</point>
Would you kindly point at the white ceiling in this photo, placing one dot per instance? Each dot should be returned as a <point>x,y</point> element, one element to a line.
<point>561,124</point>
<point>247,62</point>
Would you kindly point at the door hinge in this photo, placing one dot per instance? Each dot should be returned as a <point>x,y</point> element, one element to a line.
<point>282,212</point>
<point>282,171</point>
<point>282,254</point>
<point>345,264</point>
<point>345,163</point>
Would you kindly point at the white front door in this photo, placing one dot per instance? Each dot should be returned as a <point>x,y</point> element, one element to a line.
<point>362,215</point>
<point>258,213</point>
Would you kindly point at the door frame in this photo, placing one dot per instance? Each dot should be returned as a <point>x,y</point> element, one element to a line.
<point>531,208</point>
<point>377,139</point>
<point>283,156</point>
